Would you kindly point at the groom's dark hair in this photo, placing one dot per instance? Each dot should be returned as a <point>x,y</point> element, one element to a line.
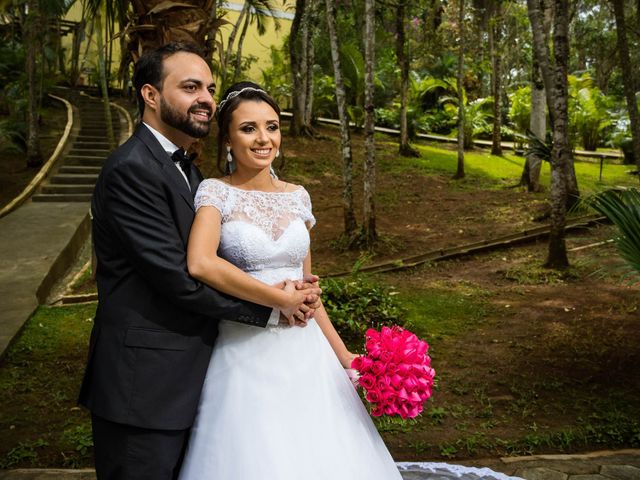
<point>149,67</point>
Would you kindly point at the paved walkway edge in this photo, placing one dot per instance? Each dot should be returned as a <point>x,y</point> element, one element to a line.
<point>46,168</point>
<point>65,259</point>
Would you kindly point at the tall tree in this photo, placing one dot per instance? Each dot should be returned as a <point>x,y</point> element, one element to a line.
<point>495,42</point>
<point>301,55</point>
<point>104,84</point>
<point>628,77</point>
<point>32,45</point>
<point>554,72</point>
<point>403,63</point>
<point>350,224</point>
<point>369,220</point>
<point>460,88</point>
<point>538,126</point>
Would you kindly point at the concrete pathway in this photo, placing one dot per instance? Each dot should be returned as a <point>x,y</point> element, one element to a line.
<point>38,242</point>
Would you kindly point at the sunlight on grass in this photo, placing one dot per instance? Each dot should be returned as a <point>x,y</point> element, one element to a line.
<point>485,170</point>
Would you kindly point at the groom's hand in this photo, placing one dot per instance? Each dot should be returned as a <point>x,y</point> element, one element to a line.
<point>310,282</point>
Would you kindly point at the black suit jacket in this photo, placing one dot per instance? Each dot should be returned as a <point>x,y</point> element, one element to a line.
<point>155,325</point>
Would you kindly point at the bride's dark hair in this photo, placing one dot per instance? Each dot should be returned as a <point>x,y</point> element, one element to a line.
<point>233,96</point>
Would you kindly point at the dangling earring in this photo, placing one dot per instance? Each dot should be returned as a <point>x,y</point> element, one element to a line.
<point>271,170</point>
<point>230,166</point>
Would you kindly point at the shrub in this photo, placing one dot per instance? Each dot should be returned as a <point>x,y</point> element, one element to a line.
<point>355,305</point>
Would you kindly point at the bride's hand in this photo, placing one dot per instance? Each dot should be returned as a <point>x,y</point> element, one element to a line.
<point>292,307</point>
<point>346,359</point>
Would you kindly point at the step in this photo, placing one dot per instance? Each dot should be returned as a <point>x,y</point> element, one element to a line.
<point>91,152</point>
<point>65,189</point>
<point>92,138</point>
<point>84,160</point>
<point>74,179</point>
<point>101,133</point>
<point>80,169</point>
<point>64,197</point>
<point>81,143</point>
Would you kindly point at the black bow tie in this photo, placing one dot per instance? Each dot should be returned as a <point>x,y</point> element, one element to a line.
<point>185,159</point>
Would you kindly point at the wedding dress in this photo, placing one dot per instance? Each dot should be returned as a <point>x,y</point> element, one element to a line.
<point>276,402</point>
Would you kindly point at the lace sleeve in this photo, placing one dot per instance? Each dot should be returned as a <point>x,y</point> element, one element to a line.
<point>213,193</point>
<point>305,208</point>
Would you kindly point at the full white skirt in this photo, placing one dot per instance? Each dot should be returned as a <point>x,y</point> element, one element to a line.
<point>277,404</point>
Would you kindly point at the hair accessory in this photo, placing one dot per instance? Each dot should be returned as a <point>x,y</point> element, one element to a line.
<point>235,93</point>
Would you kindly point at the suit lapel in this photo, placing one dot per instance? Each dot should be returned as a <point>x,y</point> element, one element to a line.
<point>168,167</point>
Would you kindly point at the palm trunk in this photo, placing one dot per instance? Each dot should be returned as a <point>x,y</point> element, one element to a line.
<point>349,217</point>
<point>459,82</point>
<point>229,51</point>
<point>538,125</point>
<point>103,82</point>
<point>369,221</point>
<point>403,63</point>
<point>310,56</point>
<point>561,156</point>
<point>627,76</point>
<point>298,56</point>
<point>495,32</point>
<point>238,68</point>
<point>34,155</point>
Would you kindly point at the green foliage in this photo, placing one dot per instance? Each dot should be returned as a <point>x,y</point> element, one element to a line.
<point>622,207</point>
<point>355,305</point>
<point>276,79</point>
<point>80,440</point>
<point>589,112</point>
<point>520,109</point>
<point>23,452</point>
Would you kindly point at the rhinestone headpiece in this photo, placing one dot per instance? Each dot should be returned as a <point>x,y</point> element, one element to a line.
<point>235,93</point>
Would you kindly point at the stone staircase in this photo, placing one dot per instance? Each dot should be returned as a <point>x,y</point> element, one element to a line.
<point>78,172</point>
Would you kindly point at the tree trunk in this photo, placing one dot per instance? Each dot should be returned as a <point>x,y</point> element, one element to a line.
<point>238,67</point>
<point>541,52</point>
<point>226,57</point>
<point>405,149</point>
<point>350,224</point>
<point>103,82</point>
<point>369,220</point>
<point>495,34</point>
<point>459,82</point>
<point>538,12</point>
<point>537,125</point>
<point>561,155</point>
<point>299,55</point>
<point>32,44</point>
<point>309,29</point>
<point>627,76</point>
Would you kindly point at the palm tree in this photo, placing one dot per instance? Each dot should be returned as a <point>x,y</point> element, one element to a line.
<point>628,78</point>
<point>301,53</point>
<point>622,207</point>
<point>403,63</point>
<point>369,221</point>
<point>460,168</point>
<point>350,223</point>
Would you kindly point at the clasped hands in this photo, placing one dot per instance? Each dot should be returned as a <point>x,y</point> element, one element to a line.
<point>302,300</point>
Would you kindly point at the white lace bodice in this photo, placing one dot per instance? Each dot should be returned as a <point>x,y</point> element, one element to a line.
<point>263,233</point>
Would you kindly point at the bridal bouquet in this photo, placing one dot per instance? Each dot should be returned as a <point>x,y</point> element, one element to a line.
<point>395,372</point>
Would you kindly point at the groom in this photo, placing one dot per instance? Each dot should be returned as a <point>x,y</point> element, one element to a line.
<point>155,325</point>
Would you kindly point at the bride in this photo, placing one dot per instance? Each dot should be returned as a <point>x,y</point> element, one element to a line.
<point>276,403</point>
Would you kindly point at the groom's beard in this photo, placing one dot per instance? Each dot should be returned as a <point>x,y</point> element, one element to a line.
<point>184,122</point>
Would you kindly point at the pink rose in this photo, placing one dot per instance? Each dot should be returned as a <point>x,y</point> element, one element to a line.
<point>367,381</point>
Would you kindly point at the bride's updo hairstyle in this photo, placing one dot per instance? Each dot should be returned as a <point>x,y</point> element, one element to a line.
<point>233,96</point>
